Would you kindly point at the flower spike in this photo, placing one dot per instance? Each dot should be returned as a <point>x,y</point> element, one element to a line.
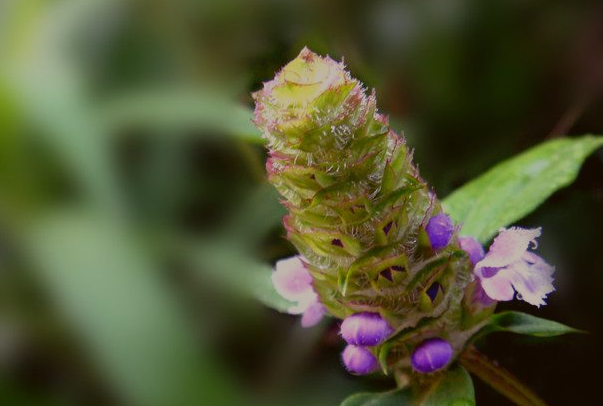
<point>378,250</point>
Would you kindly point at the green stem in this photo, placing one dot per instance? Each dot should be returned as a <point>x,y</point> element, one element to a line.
<point>499,378</point>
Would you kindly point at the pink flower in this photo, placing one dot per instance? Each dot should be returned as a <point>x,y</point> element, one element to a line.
<point>510,267</point>
<point>292,281</point>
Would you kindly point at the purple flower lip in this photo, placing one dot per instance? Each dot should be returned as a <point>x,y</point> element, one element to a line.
<point>431,355</point>
<point>365,329</point>
<point>439,230</point>
<point>480,296</point>
<point>489,272</point>
<point>359,360</point>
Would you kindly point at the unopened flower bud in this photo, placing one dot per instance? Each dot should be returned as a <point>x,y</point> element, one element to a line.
<point>359,360</point>
<point>439,230</point>
<point>431,355</point>
<point>365,329</point>
<point>473,248</point>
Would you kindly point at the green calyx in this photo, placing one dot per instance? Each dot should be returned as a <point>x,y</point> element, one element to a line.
<point>358,207</point>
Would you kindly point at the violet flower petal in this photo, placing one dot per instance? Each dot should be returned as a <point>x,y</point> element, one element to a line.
<point>532,281</point>
<point>509,246</point>
<point>313,314</point>
<point>431,355</point>
<point>473,248</point>
<point>499,286</point>
<point>439,230</point>
<point>365,329</point>
<point>291,279</point>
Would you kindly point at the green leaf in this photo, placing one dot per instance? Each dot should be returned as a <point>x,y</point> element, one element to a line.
<point>452,388</point>
<point>398,397</point>
<point>515,187</point>
<point>522,323</point>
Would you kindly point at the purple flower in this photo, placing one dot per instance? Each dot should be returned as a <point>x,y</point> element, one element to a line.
<point>509,267</point>
<point>431,355</point>
<point>439,230</point>
<point>292,281</point>
<point>365,329</point>
<point>473,248</point>
<point>480,296</point>
<point>433,290</point>
<point>313,314</point>
<point>359,360</point>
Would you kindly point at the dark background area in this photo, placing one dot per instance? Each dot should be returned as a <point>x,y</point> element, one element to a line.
<point>133,203</point>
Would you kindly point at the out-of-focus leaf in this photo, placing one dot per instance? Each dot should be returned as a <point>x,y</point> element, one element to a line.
<point>258,214</point>
<point>515,187</point>
<point>239,272</point>
<point>522,323</point>
<point>114,299</point>
<point>45,82</point>
<point>454,388</point>
<point>182,110</point>
<point>228,259</point>
<point>19,397</point>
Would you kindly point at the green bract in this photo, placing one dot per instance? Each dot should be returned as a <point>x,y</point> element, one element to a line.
<point>358,207</point>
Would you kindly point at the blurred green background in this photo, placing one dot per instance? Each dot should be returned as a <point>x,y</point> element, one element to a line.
<point>136,227</point>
